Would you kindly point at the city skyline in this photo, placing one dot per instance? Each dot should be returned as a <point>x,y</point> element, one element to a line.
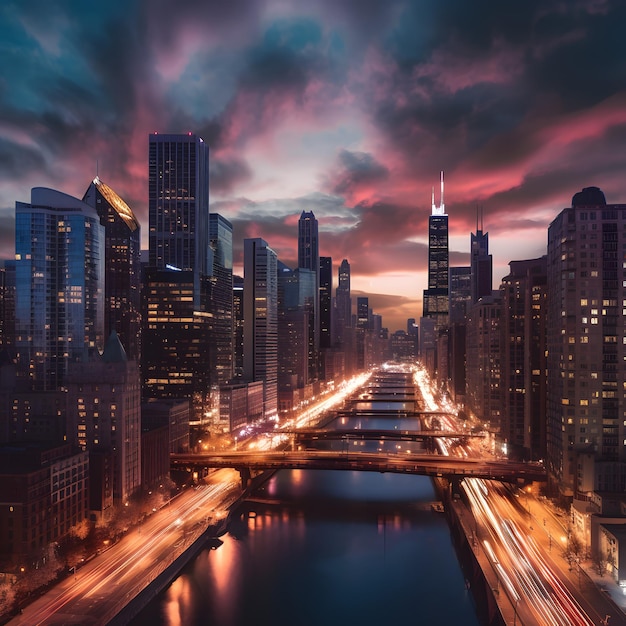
<point>343,110</point>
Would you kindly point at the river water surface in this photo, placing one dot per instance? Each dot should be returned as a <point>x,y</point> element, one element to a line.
<point>326,548</point>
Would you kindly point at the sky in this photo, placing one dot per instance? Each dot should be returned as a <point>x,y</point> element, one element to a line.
<point>349,109</point>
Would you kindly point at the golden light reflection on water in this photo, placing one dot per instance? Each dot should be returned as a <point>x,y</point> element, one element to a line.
<point>178,602</point>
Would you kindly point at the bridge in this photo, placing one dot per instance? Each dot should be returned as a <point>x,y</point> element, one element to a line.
<point>377,434</point>
<point>452,468</point>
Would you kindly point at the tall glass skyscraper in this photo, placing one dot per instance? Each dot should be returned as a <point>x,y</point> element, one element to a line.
<point>260,304</point>
<point>178,205</point>
<point>122,309</point>
<point>59,299</point>
<point>436,296</point>
<point>309,258</point>
<point>221,300</point>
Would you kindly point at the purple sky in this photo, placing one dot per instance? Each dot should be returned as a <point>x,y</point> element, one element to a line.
<point>347,109</point>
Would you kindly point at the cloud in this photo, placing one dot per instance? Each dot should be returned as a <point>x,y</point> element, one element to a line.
<point>356,170</point>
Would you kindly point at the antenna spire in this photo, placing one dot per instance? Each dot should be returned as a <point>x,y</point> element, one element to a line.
<point>441,209</point>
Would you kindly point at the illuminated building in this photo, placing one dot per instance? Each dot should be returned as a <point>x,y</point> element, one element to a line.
<point>325,296</point>
<point>586,410</point>
<point>260,306</point>
<point>176,345</point>
<point>122,274</point>
<point>59,272</point>
<point>178,318</point>
<point>309,258</point>
<point>44,493</point>
<point>104,405</point>
<point>523,352</point>
<point>178,205</point>
<point>436,296</point>
<point>343,300</point>
<point>483,382</point>
<point>296,294</point>
<point>220,299</point>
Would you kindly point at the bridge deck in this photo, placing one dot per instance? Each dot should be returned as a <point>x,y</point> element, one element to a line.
<point>374,434</point>
<point>424,464</point>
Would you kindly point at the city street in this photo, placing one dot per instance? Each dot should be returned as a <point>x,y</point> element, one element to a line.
<point>98,590</point>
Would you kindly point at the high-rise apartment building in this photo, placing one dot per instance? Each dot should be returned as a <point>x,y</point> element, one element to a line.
<point>484,338</point>
<point>586,410</point>
<point>260,335</point>
<point>523,358</point>
<point>178,205</point>
<point>59,277</point>
<point>436,296</point>
<point>122,273</point>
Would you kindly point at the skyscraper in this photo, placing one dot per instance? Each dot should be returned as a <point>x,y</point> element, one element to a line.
<point>436,296</point>
<point>260,336</point>
<point>309,258</point>
<point>523,357</point>
<point>59,270</point>
<point>177,328</point>
<point>325,296</point>
<point>481,264</point>
<point>178,204</point>
<point>586,410</point>
<point>122,273</point>
<point>176,346</point>
<point>221,299</point>
<point>343,301</point>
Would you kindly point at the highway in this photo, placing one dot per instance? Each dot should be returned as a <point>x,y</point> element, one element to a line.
<point>526,575</point>
<point>98,590</point>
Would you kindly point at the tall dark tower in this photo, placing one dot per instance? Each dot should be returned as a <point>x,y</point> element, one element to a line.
<point>221,300</point>
<point>309,258</point>
<point>436,296</point>
<point>481,263</point>
<point>122,266</point>
<point>178,205</point>
<point>177,331</point>
<point>325,295</point>
<point>343,301</point>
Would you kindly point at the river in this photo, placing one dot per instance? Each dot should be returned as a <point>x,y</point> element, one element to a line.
<point>326,548</point>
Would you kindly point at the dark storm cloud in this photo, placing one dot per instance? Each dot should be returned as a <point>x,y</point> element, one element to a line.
<point>17,161</point>
<point>355,169</point>
<point>225,174</point>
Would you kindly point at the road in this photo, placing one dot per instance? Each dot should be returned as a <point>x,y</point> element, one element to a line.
<point>539,591</point>
<point>98,591</point>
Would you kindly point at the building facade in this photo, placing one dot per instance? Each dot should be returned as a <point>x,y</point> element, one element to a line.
<point>59,277</point>
<point>260,305</point>
<point>586,410</point>
<point>435,298</point>
<point>122,265</point>
<point>524,379</point>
